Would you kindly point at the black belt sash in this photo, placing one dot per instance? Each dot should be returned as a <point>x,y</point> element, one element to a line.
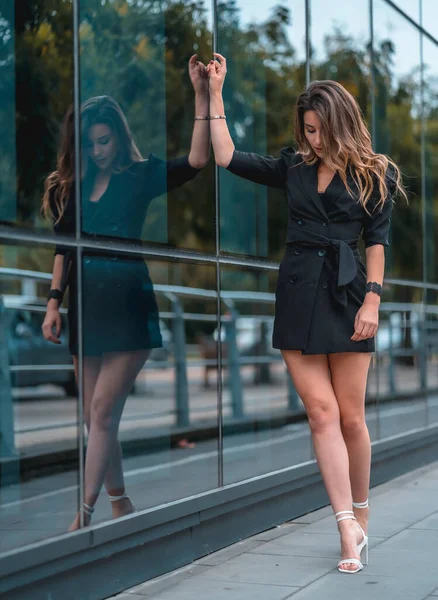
<point>345,259</point>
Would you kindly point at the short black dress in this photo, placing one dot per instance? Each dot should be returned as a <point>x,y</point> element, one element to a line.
<point>322,279</point>
<point>120,312</point>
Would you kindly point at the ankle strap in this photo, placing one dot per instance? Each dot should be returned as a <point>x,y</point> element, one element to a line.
<point>117,498</point>
<point>89,510</point>
<point>347,514</point>
<point>361,504</point>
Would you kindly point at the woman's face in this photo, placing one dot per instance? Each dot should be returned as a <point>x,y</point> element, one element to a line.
<point>312,131</point>
<point>101,146</point>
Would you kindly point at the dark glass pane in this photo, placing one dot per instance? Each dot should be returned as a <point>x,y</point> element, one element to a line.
<point>430,96</point>
<point>265,426</point>
<point>398,132</point>
<point>36,75</point>
<point>265,74</point>
<point>340,39</point>
<point>401,383</point>
<point>144,325</point>
<point>137,57</point>
<point>38,419</point>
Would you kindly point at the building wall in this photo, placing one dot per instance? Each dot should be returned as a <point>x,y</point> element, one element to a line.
<point>215,406</point>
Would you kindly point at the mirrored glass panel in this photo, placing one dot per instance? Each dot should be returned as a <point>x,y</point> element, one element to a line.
<point>340,41</point>
<point>39,455</point>
<point>402,362</point>
<point>429,354</point>
<point>264,422</point>
<point>397,76</point>
<point>36,87</point>
<point>152,423</point>
<point>264,45</point>
<point>140,91</point>
<point>411,8</point>
<point>430,100</point>
<point>430,17</point>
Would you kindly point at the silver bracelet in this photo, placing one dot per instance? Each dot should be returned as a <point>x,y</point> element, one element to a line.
<point>218,117</point>
<point>202,118</point>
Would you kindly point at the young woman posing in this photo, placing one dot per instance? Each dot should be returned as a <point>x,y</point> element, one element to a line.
<point>327,303</point>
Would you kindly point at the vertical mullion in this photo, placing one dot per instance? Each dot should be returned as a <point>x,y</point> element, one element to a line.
<point>308,47</point>
<point>218,287</point>
<point>79,324</point>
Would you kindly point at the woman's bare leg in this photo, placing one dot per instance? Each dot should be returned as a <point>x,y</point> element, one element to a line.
<point>311,377</point>
<point>116,377</point>
<point>114,480</point>
<point>349,372</point>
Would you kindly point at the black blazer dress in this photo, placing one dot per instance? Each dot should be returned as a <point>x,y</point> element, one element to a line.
<point>120,311</point>
<point>322,279</point>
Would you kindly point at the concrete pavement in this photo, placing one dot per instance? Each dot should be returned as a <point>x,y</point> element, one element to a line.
<point>298,559</point>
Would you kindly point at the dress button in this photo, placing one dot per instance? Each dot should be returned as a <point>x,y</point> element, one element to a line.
<point>325,224</point>
<point>297,251</point>
<point>300,222</point>
<point>115,228</point>
<point>324,285</point>
<point>293,279</point>
<point>321,252</point>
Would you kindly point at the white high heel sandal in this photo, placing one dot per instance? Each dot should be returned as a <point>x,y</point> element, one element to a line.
<point>117,498</point>
<point>365,504</point>
<point>342,516</point>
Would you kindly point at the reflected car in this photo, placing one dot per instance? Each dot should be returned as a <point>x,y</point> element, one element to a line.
<point>27,347</point>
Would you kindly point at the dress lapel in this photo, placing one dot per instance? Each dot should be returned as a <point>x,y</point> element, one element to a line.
<point>309,178</point>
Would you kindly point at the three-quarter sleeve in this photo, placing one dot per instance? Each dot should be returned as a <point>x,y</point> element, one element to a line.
<point>63,226</point>
<point>162,176</point>
<point>377,224</point>
<point>266,170</point>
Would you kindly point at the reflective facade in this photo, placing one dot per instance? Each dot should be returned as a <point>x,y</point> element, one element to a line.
<point>208,401</point>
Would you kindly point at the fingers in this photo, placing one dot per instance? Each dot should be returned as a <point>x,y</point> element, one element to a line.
<point>58,326</point>
<point>363,330</point>
<point>192,60</point>
<point>47,329</point>
<point>221,58</point>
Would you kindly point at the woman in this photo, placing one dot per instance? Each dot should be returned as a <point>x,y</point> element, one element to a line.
<point>120,313</point>
<point>327,304</point>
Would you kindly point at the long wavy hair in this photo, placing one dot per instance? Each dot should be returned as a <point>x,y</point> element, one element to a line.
<point>98,110</point>
<point>346,142</point>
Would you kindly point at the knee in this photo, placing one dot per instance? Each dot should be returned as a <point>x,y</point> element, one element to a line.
<point>101,415</point>
<point>352,425</point>
<point>321,417</point>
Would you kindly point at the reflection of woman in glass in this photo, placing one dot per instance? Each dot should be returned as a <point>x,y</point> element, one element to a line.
<point>327,303</point>
<point>120,313</point>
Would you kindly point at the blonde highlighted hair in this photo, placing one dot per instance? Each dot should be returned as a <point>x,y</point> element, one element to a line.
<point>97,110</point>
<point>346,142</point>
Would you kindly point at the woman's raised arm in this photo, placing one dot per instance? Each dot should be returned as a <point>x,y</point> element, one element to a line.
<point>200,146</point>
<point>260,169</point>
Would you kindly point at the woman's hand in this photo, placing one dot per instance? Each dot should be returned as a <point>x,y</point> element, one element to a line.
<point>52,321</point>
<point>217,70</point>
<point>366,322</point>
<point>198,75</point>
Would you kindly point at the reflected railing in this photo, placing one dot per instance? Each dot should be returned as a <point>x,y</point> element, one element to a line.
<point>407,342</point>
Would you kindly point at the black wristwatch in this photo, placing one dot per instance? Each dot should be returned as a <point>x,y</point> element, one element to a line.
<point>372,286</point>
<point>57,294</point>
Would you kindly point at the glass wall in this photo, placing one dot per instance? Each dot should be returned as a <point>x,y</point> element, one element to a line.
<point>170,264</point>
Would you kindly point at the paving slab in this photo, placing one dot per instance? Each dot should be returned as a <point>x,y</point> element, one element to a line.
<point>297,560</point>
<point>224,590</point>
<point>364,587</point>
